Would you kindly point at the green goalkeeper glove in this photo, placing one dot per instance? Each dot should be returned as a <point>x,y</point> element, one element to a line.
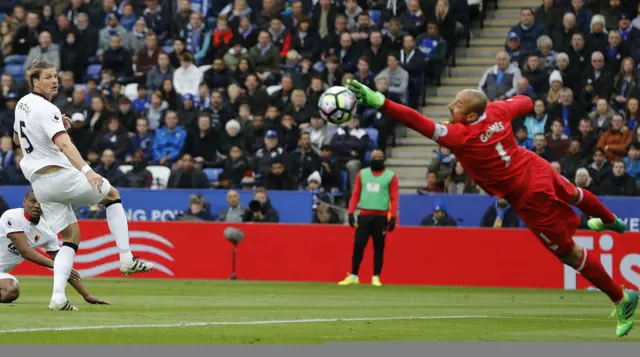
<point>365,95</point>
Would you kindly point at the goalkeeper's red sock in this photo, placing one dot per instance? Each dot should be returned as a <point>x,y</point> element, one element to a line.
<point>592,270</point>
<point>590,205</point>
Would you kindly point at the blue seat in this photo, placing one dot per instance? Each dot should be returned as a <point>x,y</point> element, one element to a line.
<point>15,59</point>
<point>376,17</point>
<point>15,70</point>
<point>93,71</point>
<point>213,174</point>
<point>373,138</point>
<point>167,49</point>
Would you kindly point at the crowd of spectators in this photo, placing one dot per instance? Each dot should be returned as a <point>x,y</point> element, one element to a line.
<point>224,93</point>
<point>577,61</point>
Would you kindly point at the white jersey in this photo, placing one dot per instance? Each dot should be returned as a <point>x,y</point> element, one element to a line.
<point>38,122</point>
<point>38,235</point>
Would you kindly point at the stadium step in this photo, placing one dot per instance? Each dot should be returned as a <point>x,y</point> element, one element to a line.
<point>413,152</point>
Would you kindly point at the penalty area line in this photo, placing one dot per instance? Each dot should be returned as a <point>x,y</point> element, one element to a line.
<point>283,322</point>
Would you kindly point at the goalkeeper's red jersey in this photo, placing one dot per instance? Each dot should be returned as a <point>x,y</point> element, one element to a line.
<point>486,148</point>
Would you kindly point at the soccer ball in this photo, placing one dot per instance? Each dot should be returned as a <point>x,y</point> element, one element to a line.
<point>337,105</point>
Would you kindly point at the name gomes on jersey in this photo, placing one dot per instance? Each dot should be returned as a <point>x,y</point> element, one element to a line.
<point>493,128</point>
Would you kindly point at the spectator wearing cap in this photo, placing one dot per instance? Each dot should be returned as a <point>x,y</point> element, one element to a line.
<point>615,141</point>
<point>157,111</point>
<point>271,150</point>
<point>512,47</point>
<point>563,34</point>
<point>117,59</point>
<point>500,215</point>
<point>114,137</point>
<point>597,81</point>
<point>555,84</point>
<point>161,71</point>
<point>528,30</point>
<point>265,56</point>
<point>234,168</point>
<point>397,76</point>
<point>350,143</point>
<point>314,185</point>
<point>549,14</point>
<point>8,116</point>
<point>187,175</point>
<point>620,183</point>
<point>198,39</point>
<point>231,136</point>
<point>187,78</point>
<point>614,52</point>
<point>304,160</point>
<point>143,139</point>
<point>630,35</point>
<point>500,80</point>
<point>157,19</point>
<point>46,51</point>
<point>147,57</point>
<point>439,217</point>
<point>113,29</point>
<point>138,176</point>
<point>168,141</point>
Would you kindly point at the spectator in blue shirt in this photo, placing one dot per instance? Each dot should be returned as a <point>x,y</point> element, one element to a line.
<point>169,141</point>
<point>632,161</point>
<point>522,137</point>
<point>143,139</point>
<point>528,30</point>
<point>143,101</point>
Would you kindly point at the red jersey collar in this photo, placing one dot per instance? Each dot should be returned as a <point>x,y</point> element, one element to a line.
<point>28,218</point>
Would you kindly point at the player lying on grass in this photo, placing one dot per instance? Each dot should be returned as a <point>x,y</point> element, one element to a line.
<point>22,231</point>
<point>482,140</point>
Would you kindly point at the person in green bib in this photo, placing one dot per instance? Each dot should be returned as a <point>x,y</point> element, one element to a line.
<point>375,192</point>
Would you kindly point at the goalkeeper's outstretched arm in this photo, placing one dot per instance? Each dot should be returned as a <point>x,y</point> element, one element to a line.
<point>410,118</point>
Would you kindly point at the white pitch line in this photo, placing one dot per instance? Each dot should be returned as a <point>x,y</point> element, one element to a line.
<point>281,322</point>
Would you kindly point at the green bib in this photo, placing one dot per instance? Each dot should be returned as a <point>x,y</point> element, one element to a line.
<point>375,190</point>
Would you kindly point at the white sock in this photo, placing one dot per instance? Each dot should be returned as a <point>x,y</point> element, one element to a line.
<point>61,270</point>
<point>117,220</point>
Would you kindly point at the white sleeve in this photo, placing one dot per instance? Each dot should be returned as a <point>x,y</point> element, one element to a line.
<point>52,122</point>
<point>12,222</point>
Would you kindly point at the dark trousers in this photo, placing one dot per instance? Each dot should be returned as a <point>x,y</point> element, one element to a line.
<point>369,226</point>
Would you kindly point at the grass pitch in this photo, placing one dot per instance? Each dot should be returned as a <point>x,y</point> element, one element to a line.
<point>236,312</point>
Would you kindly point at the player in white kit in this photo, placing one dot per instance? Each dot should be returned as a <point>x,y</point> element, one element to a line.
<point>22,231</point>
<point>60,177</point>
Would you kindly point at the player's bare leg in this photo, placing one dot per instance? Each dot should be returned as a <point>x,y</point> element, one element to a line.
<point>62,266</point>
<point>625,301</point>
<point>9,291</point>
<point>603,219</point>
<point>119,227</point>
